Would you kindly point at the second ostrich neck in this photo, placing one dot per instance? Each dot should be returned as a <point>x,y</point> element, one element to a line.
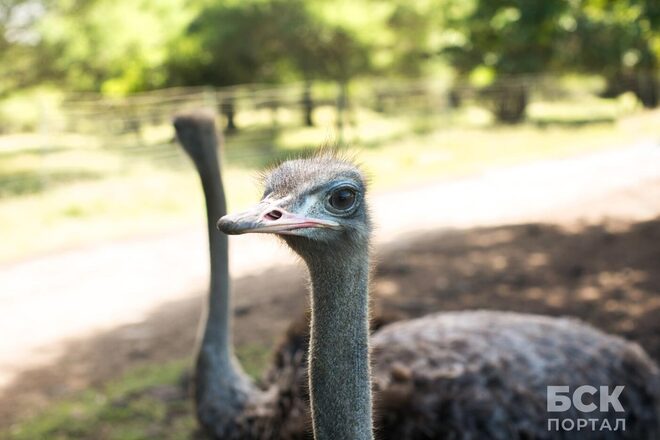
<point>222,388</point>
<point>339,348</point>
<point>218,328</point>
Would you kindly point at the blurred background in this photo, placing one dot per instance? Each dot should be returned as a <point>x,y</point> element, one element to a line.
<point>513,148</point>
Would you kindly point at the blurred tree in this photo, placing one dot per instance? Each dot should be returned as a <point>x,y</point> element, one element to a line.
<point>619,40</point>
<point>417,35</point>
<point>21,56</point>
<point>114,46</point>
<point>507,38</point>
<point>233,43</point>
<point>227,43</point>
<point>331,53</point>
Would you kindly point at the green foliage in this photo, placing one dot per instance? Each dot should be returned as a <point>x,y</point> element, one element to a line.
<point>504,38</point>
<point>122,46</point>
<point>21,62</point>
<point>116,46</point>
<point>257,41</point>
<point>619,40</point>
<point>528,36</point>
<point>417,34</point>
<point>508,36</point>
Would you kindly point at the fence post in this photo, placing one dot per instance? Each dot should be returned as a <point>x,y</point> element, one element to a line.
<point>341,111</point>
<point>308,104</point>
<point>43,130</point>
<point>228,106</point>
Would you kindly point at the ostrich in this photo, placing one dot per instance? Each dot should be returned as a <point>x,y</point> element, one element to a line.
<point>228,404</point>
<point>460,375</point>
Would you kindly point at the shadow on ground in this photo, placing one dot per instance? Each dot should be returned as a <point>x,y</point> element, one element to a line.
<point>607,275</point>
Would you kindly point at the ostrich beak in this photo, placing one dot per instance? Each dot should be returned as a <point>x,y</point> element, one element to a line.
<point>266,218</point>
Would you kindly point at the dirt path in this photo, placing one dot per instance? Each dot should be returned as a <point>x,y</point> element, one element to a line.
<point>77,318</point>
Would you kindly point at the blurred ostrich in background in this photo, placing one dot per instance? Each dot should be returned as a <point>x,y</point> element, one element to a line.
<point>471,375</point>
<point>228,404</point>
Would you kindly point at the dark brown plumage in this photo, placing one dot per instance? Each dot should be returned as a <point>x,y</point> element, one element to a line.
<point>483,374</point>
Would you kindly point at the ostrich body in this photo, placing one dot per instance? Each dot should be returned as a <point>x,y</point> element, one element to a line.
<point>461,375</point>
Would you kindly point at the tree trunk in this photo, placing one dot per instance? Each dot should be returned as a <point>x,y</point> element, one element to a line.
<point>308,105</point>
<point>644,84</point>
<point>342,102</point>
<point>646,89</point>
<point>228,109</point>
<point>454,98</point>
<point>509,102</point>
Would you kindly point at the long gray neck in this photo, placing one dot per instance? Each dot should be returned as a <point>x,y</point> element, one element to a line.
<point>339,370</point>
<point>217,333</point>
<point>221,387</point>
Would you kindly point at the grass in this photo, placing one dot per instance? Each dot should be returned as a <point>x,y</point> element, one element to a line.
<point>74,191</point>
<point>146,403</point>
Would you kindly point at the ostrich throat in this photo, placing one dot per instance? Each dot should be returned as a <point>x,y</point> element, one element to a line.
<point>340,385</point>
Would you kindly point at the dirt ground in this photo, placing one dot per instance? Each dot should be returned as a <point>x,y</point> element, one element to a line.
<point>597,260</point>
<point>606,274</point>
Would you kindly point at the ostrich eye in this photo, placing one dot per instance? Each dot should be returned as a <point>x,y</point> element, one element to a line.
<point>342,199</point>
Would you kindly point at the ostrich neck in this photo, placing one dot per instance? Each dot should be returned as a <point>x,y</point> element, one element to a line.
<point>217,332</point>
<point>339,349</point>
<point>221,387</point>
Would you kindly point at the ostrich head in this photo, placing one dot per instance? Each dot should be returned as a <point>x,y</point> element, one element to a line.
<point>317,205</point>
<point>197,134</point>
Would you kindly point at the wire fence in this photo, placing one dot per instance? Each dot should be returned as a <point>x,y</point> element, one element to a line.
<point>259,119</point>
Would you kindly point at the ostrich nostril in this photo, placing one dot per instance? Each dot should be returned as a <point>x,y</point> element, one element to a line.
<point>273,215</point>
